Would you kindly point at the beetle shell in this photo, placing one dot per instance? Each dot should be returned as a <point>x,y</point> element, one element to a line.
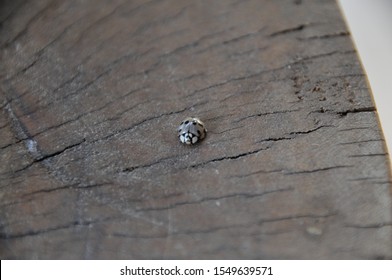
<point>191,131</point>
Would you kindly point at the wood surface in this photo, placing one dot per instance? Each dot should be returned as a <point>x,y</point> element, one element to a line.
<point>294,165</point>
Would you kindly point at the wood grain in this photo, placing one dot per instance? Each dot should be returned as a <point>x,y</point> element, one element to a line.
<point>294,165</point>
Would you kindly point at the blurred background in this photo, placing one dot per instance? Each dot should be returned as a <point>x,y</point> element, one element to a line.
<point>370,22</point>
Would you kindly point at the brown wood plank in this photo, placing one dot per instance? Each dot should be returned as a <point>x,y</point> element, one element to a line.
<point>293,167</point>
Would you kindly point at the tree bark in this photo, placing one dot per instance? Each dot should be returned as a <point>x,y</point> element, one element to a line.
<point>294,165</point>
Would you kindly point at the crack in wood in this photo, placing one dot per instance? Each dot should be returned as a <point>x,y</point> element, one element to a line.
<point>292,135</point>
<point>326,36</point>
<point>258,73</point>
<point>12,13</point>
<point>321,55</point>
<point>94,111</point>
<point>216,198</point>
<point>317,170</point>
<point>365,179</point>
<point>355,128</point>
<point>133,168</point>
<point>230,41</point>
<point>259,222</point>
<point>356,110</point>
<point>275,139</point>
<point>38,55</point>
<point>28,24</point>
<point>67,82</point>
<point>369,226</point>
<point>369,155</point>
<point>227,158</point>
<point>161,160</point>
<point>71,225</point>
<point>158,22</point>
<point>267,113</point>
<point>73,186</point>
<point>195,43</point>
<point>258,172</point>
<point>362,141</point>
<point>39,157</point>
<point>227,227</point>
<point>96,23</point>
<point>11,144</point>
<point>115,133</point>
<point>292,172</point>
<point>310,130</point>
<point>294,29</point>
<point>108,70</point>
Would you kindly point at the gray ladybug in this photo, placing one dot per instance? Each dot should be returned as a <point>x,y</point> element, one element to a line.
<point>191,131</point>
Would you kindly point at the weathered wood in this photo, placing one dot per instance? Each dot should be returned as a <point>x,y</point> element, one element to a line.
<point>293,166</point>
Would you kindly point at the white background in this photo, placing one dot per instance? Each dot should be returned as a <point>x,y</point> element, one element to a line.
<point>282,270</point>
<point>370,22</point>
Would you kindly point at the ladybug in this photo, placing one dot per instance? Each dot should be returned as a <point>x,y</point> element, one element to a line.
<point>191,131</point>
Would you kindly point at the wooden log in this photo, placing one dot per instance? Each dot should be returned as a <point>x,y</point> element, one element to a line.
<point>294,165</point>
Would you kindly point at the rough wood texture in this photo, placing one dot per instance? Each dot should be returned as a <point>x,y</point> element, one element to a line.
<point>293,166</point>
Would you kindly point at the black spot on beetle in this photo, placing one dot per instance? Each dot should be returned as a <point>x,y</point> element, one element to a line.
<point>186,122</point>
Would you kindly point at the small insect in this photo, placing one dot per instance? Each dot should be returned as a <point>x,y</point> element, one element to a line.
<point>191,131</point>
